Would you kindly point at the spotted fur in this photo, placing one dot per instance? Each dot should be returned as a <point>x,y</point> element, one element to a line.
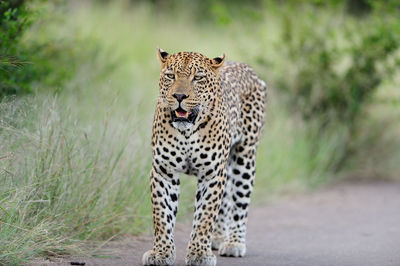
<point>207,123</point>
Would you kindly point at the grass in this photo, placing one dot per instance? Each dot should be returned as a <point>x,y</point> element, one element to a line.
<point>59,179</point>
<point>74,165</point>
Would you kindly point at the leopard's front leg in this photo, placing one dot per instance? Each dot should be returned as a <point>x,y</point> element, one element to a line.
<point>208,199</point>
<point>164,198</point>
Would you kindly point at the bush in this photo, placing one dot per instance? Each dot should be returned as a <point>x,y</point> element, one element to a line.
<point>338,66</point>
<point>33,55</point>
<point>331,64</point>
<point>15,18</point>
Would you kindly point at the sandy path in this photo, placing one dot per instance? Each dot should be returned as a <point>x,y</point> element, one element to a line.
<point>348,224</point>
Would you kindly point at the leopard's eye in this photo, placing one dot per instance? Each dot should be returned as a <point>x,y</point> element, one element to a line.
<point>198,77</point>
<point>170,76</point>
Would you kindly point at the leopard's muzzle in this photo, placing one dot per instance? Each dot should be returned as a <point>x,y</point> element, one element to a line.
<point>180,115</point>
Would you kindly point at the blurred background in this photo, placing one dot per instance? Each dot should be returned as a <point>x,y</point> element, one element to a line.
<point>79,83</point>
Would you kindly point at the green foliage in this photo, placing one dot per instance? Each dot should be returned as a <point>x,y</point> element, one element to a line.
<point>14,19</point>
<point>336,66</point>
<point>44,60</point>
<point>336,63</point>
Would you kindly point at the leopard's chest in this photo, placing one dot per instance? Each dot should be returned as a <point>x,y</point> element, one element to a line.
<point>197,154</point>
<point>200,154</point>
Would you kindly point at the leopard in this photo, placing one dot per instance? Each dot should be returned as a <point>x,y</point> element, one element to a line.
<point>208,122</point>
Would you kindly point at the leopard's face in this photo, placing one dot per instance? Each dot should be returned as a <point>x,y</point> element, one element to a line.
<point>188,84</point>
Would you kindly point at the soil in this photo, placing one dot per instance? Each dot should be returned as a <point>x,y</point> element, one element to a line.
<point>346,224</point>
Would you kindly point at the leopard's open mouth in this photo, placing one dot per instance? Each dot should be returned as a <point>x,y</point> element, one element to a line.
<point>181,115</point>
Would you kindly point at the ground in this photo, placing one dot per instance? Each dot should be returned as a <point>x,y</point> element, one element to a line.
<point>347,224</point>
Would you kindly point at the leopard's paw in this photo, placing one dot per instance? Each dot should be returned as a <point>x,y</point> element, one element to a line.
<point>208,259</point>
<point>216,242</point>
<point>153,258</point>
<point>230,249</point>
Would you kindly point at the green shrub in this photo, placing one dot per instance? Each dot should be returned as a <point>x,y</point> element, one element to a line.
<point>337,66</point>
<point>332,63</point>
<point>34,55</point>
<point>14,19</point>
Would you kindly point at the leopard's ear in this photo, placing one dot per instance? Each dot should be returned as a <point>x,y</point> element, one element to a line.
<point>162,55</point>
<point>217,62</point>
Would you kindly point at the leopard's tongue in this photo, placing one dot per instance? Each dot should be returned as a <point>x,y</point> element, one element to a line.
<point>182,113</point>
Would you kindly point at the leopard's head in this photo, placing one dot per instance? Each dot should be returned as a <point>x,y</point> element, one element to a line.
<point>188,85</point>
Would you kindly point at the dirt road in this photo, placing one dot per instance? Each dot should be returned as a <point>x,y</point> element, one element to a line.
<point>349,224</point>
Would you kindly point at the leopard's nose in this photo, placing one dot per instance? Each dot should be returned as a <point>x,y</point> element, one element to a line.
<point>179,97</point>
